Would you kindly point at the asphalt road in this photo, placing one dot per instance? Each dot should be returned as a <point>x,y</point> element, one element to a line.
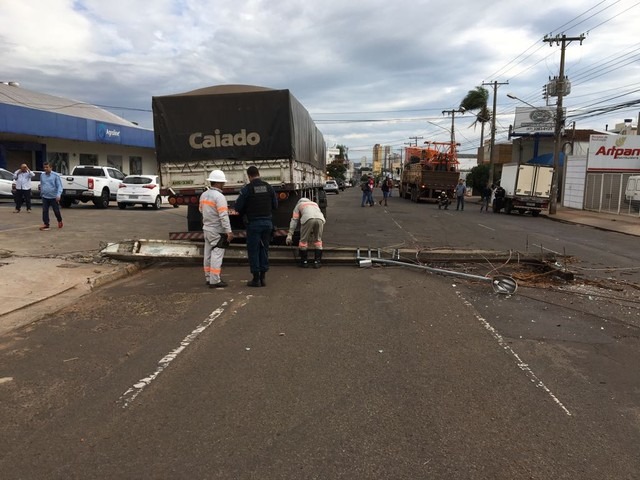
<point>340,372</point>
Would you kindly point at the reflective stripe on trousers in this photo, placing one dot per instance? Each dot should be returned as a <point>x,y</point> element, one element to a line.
<point>212,257</point>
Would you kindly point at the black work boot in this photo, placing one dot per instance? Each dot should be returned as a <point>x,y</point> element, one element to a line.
<point>317,259</point>
<point>255,282</point>
<point>262,282</point>
<point>304,259</point>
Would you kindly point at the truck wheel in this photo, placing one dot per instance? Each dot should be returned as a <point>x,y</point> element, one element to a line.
<point>122,206</point>
<point>65,202</point>
<point>535,213</point>
<point>103,201</point>
<point>157,204</point>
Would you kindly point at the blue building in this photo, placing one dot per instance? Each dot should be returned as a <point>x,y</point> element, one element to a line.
<point>36,127</point>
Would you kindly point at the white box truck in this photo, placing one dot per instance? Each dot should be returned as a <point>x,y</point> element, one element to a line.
<point>527,188</point>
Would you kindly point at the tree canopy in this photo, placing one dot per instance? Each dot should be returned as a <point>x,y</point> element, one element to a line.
<point>477,100</point>
<point>478,177</point>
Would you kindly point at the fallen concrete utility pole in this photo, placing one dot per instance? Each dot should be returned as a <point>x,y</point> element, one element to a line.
<point>187,251</point>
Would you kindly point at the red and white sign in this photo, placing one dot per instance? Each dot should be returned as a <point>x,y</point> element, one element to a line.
<point>614,152</point>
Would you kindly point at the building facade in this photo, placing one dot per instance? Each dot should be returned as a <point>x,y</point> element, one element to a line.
<point>36,127</point>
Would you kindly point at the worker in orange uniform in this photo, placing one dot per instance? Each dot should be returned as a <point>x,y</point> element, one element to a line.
<point>216,228</point>
<point>311,227</point>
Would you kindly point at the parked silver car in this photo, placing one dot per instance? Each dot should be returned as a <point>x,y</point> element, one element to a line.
<point>331,186</point>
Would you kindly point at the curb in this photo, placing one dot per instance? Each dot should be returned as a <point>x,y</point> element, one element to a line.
<point>41,308</point>
<point>119,273</point>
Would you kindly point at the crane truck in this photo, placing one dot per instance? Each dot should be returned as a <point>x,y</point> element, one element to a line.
<point>429,170</point>
<point>231,127</point>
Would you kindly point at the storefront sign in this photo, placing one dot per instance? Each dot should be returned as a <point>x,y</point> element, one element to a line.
<point>108,133</point>
<point>614,152</point>
<point>534,121</point>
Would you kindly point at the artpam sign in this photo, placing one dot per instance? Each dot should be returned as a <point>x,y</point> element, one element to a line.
<point>614,153</point>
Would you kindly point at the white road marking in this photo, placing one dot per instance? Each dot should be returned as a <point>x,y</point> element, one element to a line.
<point>545,248</point>
<point>488,228</point>
<point>521,365</point>
<point>130,395</point>
<point>411,235</point>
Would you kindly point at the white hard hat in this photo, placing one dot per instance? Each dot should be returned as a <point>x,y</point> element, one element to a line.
<point>217,176</point>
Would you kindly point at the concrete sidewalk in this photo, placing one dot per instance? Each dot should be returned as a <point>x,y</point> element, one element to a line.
<point>604,221</point>
<point>41,272</point>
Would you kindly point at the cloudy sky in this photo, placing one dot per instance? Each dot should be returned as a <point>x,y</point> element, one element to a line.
<point>369,71</point>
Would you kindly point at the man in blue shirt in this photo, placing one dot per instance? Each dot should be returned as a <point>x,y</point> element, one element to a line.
<point>461,190</point>
<point>50,191</point>
<point>256,202</point>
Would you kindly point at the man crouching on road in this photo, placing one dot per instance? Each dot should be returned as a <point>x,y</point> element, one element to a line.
<point>215,226</point>
<point>311,227</point>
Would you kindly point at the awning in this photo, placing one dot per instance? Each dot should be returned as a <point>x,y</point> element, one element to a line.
<point>546,159</point>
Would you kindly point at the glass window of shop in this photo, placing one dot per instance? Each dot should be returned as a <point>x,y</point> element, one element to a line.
<point>59,162</point>
<point>114,161</point>
<point>88,159</point>
<point>135,165</point>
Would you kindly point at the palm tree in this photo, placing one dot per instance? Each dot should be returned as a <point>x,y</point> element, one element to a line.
<point>477,99</point>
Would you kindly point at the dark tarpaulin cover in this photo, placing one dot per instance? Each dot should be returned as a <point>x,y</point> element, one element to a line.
<point>235,113</point>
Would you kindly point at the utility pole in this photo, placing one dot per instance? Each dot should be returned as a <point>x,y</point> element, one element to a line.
<point>453,116</point>
<point>415,140</point>
<point>563,41</point>
<point>492,145</point>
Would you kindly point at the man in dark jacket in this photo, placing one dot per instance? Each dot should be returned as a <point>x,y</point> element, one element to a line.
<point>256,202</point>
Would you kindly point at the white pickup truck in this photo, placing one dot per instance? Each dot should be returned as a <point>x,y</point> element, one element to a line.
<point>91,182</point>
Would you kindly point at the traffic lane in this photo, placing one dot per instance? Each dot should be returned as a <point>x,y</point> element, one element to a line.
<point>398,379</point>
<point>405,224</point>
<point>586,347</point>
<point>595,253</point>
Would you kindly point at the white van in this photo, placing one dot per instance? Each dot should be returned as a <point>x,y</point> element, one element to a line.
<point>632,192</point>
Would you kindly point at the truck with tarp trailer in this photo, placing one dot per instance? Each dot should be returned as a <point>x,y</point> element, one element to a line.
<point>231,127</point>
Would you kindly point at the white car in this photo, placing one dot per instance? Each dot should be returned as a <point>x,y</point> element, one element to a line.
<point>6,182</point>
<point>139,189</point>
<point>331,186</point>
